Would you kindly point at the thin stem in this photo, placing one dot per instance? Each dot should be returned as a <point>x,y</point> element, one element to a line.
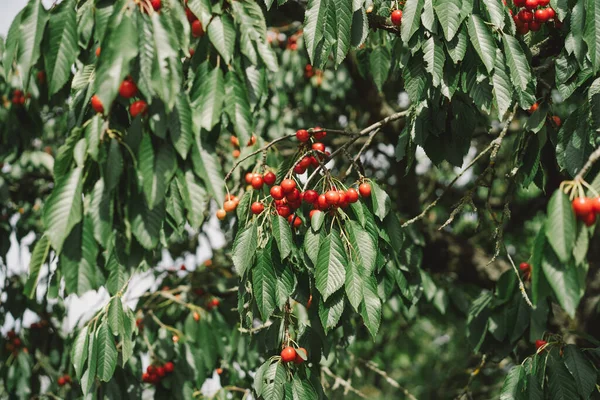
<point>373,367</point>
<point>588,164</point>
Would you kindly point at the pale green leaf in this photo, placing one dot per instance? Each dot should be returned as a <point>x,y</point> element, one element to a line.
<point>244,248</point>
<point>330,272</point>
<point>62,50</point>
<point>221,33</point>
<point>107,353</point>
<point>38,257</point>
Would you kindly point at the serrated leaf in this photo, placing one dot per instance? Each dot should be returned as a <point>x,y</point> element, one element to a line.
<point>244,248</point>
<point>354,284</point>
<point>581,369</point>
<point>210,101</point>
<point>207,167</point>
<point>155,170</point>
<point>381,201</point>
<point>371,306</point>
<point>560,225</point>
<point>146,224</point>
<point>591,33</point>
<point>561,384</point>
<point>330,272</point>
<point>564,281</point>
<point>517,62</point>
<point>483,41</point>
<point>117,276</point>
<point>457,47</point>
<point>302,389</point>
<point>181,128</point>
<point>107,353</point>
<point>237,107</point>
<point>31,30</point>
<point>221,33</point>
<point>380,65</point>
<point>312,244</point>
<point>433,54</point>
<point>78,260</point>
<point>315,19</point>
<point>360,28</point>
<point>448,13</point>
<point>62,49</point>
<point>115,315</point>
<point>201,9</point>
<point>88,378</point>
<point>411,19</point>
<point>331,310</point>
<point>363,247</point>
<point>513,386</point>
<point>38,257</point>
<point>282,233</point>
<point>194,197</point>
<point>264,282</point>
<point>79,351</point>
<point>497,12</point>
<point>62,210</point>
<point>502,87</point>
<point>166,67</point>
<point>275,378</point>
<point>12,43</point>
<point>114,165</point>
<point>344,23</point>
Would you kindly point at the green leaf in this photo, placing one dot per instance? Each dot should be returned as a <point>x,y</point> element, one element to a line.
<point>155,170</point>
<point>208,168</point>
<point>312,244</point>
<point>448,13</point>
<point>166,66</point>
<point>360,28</point>
<point>564,281</point>
<point>181,129</point>
<point>483,41</point>
<point>244,248</point>
<point>560,225</point>
<point>93,131</point>
<point>381,201</point>
<point>221,33</point>
<point>210,102</point>
<point>502,87</point>
<point>302,389</point>
<point>115,315</point>
<point>62,50</point>
<point>517,62</point>
<point>282,233</point>
<point>354,284</point>
<point>497,12</point>
<point>363,246</point>
<point>264,282</point>
<point>411,19</point>
<point>114,165</point>
<point>107,353</point>
<point>89,376</point>
<point>78,260</point>
<point>343,24</point>
<point>146,224</point>
<point>79,351</point>
<point>31,30</point>
<point>201,9</point>
<point>101,213</point>
<point>457,47</point>
<point>62,210</point>
<point>371,306</point>
<point>237,107</point>
<point>194,197</point>
<point>331,310</point>
<point>117,276</point>
<point>591,34</point>
<point>582,370</point>
<point>12,43</point>
<point>330,272</point>
<point>380,65</point>
<point>514,384</point>
<point>275,378</point>
<point>38,257</point>
<point>315,19</point>
<point>286,281</point>
<point>119,47</point>
<point>433,54</point>
<point>561,384</point>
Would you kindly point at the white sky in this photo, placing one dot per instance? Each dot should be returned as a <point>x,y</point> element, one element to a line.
<point>10,8</point>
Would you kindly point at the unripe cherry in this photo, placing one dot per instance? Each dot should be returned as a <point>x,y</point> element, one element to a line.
<point>234,141</point>
<point>221,214</point>
<point>229,205</point>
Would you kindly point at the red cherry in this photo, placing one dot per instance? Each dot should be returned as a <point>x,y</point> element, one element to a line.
<point>295,220</point>
<point>523,28</point>
<point>169,367</point>
<point>41,77</point>
<point>284,211</point>
<point>145,377</point>
<point>535,26</point>
<point>312,212</point>
<point>318,147</point>
<point>287,185</point>
<point>197,30</point>
<point>589,219</point>
<point>596,205</point>
<point>524,266</point>
<point>229,206</point>
<point>305,162</point>
<point>97,104</point>
<point>531,4</point>
<point>352,195</point>
<point>298,359</point>
<point>525,16</point>
<point>396,17</point>
<point>541,15</point>
<point>128,89</point>
<point>322,202</point>
<point>61,381</point>
<point>257,207</point>
<point>557,121</point>
<point>551,12</point>
<point>332,197</point>
<point>161,371</point>
<point>543,3</point>
<point>248,177</point>
<point>582,206</point>
<point>299,170</point>
<point>319,135</point>
<point>269,178</point>
<point>17,342</point>
<point>519,3</point>
<point>257,181</point>
<point>276,192</point>
<point>155,4</point>
<point>533,107</point>
<point>190,15</point>
<point>98,50</point>
<point>288,354</point>
<point>364,189</point>
<point>138,107</point>
<point>302,135</point>
<point>540,343</point>
<point>151,369</point>
<point>313,161</point>
<point>310,196</point>
<point>294,195</point>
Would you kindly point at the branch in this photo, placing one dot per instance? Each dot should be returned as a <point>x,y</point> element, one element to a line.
<point>373,367</point>
<point>344,383</point>
<point>588,164</point>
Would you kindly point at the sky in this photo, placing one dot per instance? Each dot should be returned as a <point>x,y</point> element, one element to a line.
<point>10,8</point>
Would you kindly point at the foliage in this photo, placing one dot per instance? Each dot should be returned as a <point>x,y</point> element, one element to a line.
<point>101,179</point>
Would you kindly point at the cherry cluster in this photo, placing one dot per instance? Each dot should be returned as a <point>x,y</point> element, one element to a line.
<point>235,142</point>
<point>14,343</point>
<point>18,97</point>
<point>196,25</point>
<point>63,380</point>
<point>532,14</point>
<point>155,373</point>
<point>586,209</point>
<point>127,90</point>
<point>290,354</point>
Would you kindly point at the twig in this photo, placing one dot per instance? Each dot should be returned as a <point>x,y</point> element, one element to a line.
<point>373,367</point>
<point>521,286</point>
<point>472,376</point>
<point>342,382</point>
<point>362,150</point>
<point>588,164</point>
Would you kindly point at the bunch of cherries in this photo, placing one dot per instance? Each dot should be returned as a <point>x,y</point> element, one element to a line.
<point>155,373</point>
<point>290,354</point>
<point>532,14</point>
<point>586,209</point>
<point>127,90</point>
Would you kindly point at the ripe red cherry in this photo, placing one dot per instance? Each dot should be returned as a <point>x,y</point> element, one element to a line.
<point>523,28</point>
<point>128,89</point>
<point>524,267</point>
<point>551,12</point>
<point>531,4</point>
<point>257,181</point>
<point>533,107</point>
<point>214,303</point>
<point>319,135</point>
<point>318,147</point>
<point>295,220</point>
<point>305,162</point>
<point>557,121</point>
<point>151,369</point>
<point>364,189</point>
<point>519,3</point>
<point>61,381</point>
<point>248,177</point>
<point>582,206</point>
<point>298,359</point>
<point>596,205</point>
<point>541,15</point>
<point>138,107</point>
<point>97,104</point>
<point>288,354</point>
<point>269,178</point>
<point>543,3</point>
<point>540,343</point>
<point>160,371</point>
<point>287,185</point>
<point>197,30</point>
<point>146,377</point>
<point>302,135</point>
<point>396,17</point>
<point>41,77</point>
<point>284,211</point>
<point>293,196</point>
<point>525,16</point>
<point>535,26</point>
<point>313,161</point>
<point>276,192</point>
<point>299,169</point>
<point>169,367</point>
<point>322,202</point>
<point>352,195</point>
<point>312,212</point>
<point>190,15</point>
<point>310,196</point>
<point>257,207</point>
<point>332,197</point>
<point>155,4</point>
<point>589,219</point>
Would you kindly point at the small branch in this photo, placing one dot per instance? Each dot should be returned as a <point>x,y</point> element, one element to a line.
<point>472,376</point>
<point>588,164</point>
<point>373,367</point>
<point>342,382</point>
<point>521,286</point>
